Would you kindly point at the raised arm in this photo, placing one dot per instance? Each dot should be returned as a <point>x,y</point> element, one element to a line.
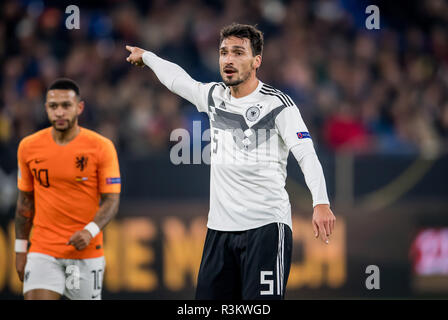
<point>171,76</point>
<point>23,224</point>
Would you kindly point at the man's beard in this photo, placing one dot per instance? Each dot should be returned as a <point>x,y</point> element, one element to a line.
<point>235,82</point>
<point>70,125</point>
<point>231,83</point>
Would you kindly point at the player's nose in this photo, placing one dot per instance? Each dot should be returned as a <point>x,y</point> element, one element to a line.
<point>59,111</point>
<point>228,60</point>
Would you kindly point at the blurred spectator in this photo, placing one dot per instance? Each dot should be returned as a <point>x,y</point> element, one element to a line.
<point>358,90</point>
<point>343,131</point>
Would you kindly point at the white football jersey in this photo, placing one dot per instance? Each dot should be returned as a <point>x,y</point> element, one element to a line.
<point>250,142</point>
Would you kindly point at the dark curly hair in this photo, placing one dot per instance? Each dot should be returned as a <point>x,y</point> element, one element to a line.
<point>244,31</point>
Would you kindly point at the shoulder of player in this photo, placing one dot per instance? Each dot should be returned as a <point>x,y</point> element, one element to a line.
<point>95,138</point>
<point>216,86</point>
<point>221,85</point>
<point>275,96</point>
<point>35,137</point>
<point>216,89</point>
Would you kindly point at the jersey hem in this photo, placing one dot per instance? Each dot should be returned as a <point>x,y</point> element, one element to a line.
<point>71,257</point>
<point>258,225</point>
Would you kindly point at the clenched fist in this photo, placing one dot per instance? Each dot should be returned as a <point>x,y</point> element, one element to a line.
<point>80,239</point>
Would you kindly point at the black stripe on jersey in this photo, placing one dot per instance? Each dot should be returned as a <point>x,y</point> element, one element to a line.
<point>270,89</point>
<point>289,99</point>
<point>282,99</point>
<point>276,92</point>
<point>222,85</point>
<point>267,87</point>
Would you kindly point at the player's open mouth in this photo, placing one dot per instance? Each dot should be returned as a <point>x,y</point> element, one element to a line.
<point>60,122</point>
<point>229,72</point>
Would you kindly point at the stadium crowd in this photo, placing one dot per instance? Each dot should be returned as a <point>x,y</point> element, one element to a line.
<point>381,91</point>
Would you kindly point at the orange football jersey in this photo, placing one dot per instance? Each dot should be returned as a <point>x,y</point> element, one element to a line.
<point>67,182</point>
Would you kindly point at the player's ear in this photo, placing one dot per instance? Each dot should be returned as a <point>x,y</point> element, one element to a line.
<point>257,62</point>
<point>80,107</point>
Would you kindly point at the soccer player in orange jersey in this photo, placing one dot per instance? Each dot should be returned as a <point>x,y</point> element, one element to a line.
<point>69,189</point>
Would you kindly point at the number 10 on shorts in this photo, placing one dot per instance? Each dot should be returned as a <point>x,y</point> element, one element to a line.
<point>269,282</point>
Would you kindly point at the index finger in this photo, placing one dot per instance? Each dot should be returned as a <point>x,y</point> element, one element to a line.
<point>129,48</point>
<point>323,233</point>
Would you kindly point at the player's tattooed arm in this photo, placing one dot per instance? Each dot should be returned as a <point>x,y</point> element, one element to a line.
<point>24,214</point>
<point>108,209</point>
<point>23,224</point>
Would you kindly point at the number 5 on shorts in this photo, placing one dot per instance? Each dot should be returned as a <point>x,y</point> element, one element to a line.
<point>269,282</point>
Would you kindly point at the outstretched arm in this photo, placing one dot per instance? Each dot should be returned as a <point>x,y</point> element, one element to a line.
<point>23,224</point>
<point>170,75</point>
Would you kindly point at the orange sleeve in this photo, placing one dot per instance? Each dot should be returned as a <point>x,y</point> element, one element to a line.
<point>24,175</point>
<point>109,170</point>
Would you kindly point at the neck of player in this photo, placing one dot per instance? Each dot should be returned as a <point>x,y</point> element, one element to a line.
<point>64,137</point>
<point>245,88</point>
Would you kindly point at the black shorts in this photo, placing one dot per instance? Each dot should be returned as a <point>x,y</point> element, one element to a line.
<point>249,265</point>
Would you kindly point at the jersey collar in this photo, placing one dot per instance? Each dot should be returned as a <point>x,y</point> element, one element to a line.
<point>245,98</point>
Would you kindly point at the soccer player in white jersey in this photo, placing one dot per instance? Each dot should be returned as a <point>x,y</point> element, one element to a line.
<point>247,251</point>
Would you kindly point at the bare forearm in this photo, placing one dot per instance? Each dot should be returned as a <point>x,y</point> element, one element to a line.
<point>108,209</point>
<point>24,214</point>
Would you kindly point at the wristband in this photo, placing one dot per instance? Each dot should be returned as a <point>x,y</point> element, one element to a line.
<point>21,245</point>
<point>93,228</point>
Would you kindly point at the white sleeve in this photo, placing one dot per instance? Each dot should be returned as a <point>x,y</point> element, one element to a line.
<point>291,128</point>
<point>178,80</point>
<point>312,171</point>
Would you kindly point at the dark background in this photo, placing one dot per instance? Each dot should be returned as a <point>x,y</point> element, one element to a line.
<point>375,102</point>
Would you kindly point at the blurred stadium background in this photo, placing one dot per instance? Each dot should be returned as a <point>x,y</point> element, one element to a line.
<point>375,101</point>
